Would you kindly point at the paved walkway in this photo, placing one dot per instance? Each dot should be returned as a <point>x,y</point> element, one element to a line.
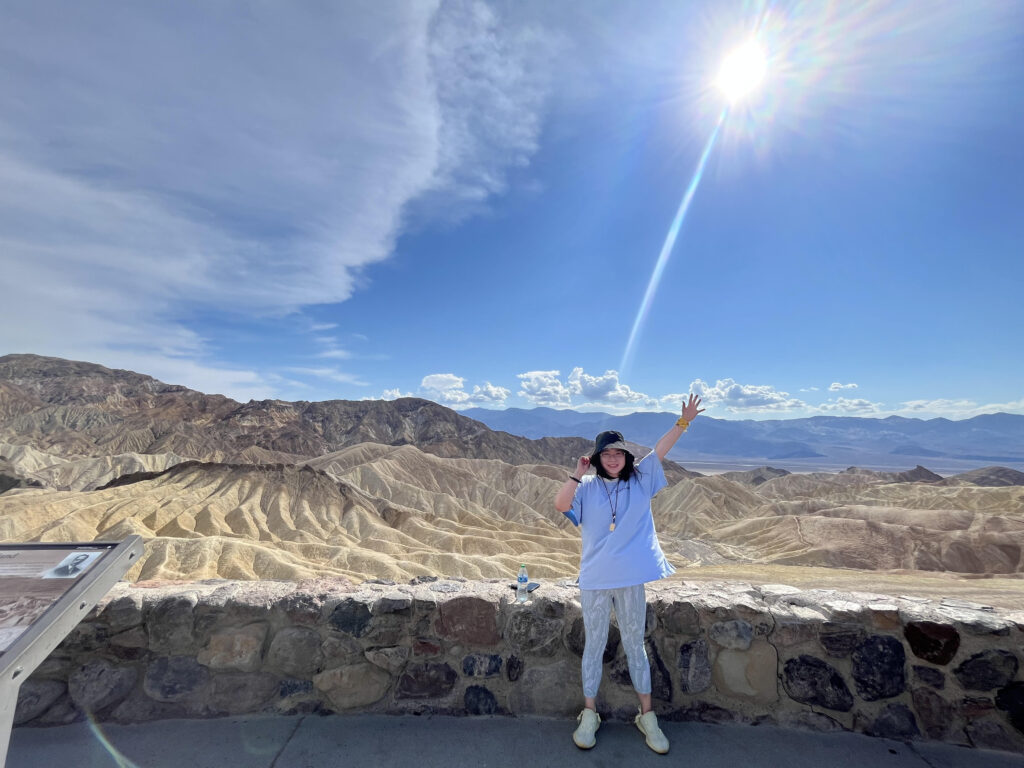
<point>449,742</point>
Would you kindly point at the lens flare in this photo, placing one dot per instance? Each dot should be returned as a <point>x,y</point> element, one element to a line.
<point>667,246</point>
<point>120,760</point>
<point>742,71</point>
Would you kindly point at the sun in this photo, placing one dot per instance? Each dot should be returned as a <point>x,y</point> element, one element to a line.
<point>742,71</point>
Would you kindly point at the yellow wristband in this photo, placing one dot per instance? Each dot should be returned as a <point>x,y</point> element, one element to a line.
<point>683,423</point>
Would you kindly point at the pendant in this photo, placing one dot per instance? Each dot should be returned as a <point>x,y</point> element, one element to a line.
<point>611,527</point>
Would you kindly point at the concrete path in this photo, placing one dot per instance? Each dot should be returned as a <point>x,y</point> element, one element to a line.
<point>449,742</point>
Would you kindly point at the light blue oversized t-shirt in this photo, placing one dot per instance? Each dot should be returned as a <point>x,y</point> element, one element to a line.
<point>630,554</point>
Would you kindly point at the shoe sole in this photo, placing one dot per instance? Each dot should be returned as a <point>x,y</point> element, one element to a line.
<point>653,749</point>
<point>582,746</point>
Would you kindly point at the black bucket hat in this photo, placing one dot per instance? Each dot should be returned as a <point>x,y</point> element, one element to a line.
<point>610,439</point>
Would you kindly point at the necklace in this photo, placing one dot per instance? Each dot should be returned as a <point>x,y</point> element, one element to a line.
<point>614,506</point>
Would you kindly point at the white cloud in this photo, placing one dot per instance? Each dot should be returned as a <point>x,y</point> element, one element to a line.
<point>607,389</point>
<point>544,388</point>
<point>449,389</point>
<point>492,77</point>
<point>393,394</point>
<point>489,393</point>
<point>604,392</point>
<point>440,382</point>
<point>165,165</point>
<point>845,405</point>
<point>835,386</point>
<point>739,398</point>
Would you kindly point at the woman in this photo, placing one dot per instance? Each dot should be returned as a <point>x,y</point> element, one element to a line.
<point>620,554</point>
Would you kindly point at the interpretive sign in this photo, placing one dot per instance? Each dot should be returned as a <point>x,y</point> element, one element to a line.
<point>45,591</point>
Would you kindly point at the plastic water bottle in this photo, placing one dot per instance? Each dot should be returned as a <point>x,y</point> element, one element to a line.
<point>521,591</point>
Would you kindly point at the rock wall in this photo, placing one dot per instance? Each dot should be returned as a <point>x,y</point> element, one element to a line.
<point>897,667</point>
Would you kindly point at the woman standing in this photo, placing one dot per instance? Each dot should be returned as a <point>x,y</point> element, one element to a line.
<point>620,554</point>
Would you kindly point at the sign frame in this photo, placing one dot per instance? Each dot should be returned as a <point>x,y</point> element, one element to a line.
<point>48,630</point>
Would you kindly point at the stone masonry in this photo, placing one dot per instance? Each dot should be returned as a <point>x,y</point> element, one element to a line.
<point>898,667</point>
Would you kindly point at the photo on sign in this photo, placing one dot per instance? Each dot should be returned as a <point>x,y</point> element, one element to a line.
<point>72,566</point>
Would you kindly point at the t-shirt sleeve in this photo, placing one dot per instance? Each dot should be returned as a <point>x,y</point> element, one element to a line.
<point>652,476</point>
<point>575,513</point>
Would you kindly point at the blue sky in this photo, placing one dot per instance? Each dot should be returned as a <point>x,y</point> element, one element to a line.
<point>465,201</point>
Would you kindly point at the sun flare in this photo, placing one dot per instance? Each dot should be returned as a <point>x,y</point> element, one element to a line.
<point>742,71</point>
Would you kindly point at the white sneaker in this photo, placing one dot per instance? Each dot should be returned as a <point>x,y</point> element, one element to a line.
<point>648,725</point>
<point>589,722</point>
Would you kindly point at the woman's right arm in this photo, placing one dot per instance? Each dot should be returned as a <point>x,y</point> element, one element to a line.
<point>563,499</point>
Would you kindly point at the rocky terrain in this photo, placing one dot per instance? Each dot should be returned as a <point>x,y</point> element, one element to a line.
<point>408,488</point>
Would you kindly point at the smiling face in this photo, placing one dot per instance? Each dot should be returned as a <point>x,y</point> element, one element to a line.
<point>613,460</point>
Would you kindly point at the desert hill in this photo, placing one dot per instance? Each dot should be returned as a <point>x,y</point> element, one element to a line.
<point>988,476</point>
<point>81,410</point>
<point>754,476</point>
<point>377,511</point>
<point>409,488</point>
<point>374,511</point>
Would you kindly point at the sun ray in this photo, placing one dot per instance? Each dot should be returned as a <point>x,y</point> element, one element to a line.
<point>667,246</point>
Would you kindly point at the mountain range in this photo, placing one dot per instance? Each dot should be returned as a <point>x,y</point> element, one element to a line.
<point>818,441</point>
<point>79,409</point>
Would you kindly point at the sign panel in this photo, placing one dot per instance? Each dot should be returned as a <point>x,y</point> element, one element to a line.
<point>32,580</point>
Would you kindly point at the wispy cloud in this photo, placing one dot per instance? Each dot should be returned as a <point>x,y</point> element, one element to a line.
<point>156,163</point>
<point>492,77</point>
<point>956,409</point>
<point>331,349</point>
<point>835,386</point>
<point>335,354</point>
<point>449,389</point>
<point>328,374</point>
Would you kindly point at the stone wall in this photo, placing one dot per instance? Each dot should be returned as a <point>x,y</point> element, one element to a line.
<point>898,667</point>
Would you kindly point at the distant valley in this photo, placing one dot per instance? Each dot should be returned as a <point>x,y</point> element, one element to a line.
<point>820,442</point>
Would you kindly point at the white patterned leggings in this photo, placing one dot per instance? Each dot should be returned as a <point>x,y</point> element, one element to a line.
<point>631,611</point>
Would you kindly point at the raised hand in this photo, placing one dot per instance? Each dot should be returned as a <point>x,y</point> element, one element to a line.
<point>690,410</point>
<point>582,466</point>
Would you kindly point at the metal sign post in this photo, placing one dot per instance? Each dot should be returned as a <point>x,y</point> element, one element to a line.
<point>45,591</point>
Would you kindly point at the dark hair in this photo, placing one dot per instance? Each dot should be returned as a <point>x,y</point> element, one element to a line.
<point>627,472</point>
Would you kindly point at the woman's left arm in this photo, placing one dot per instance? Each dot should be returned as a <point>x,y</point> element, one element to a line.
<point>690,411</point>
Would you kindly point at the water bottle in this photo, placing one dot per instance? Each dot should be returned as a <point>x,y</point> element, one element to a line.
<point>523,580</point>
